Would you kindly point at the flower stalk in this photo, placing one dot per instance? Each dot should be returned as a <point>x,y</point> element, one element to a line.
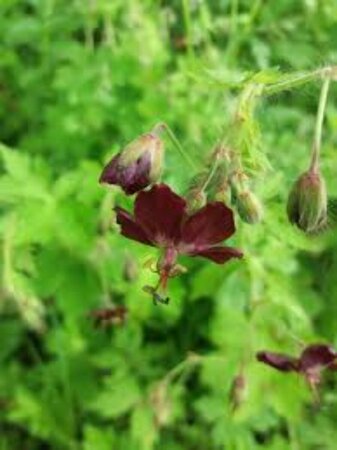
<point>299,79</point>
<point>319,125</point>
<point>178,146</point>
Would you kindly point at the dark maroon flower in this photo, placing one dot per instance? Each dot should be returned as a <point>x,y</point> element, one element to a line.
<point>160,219</point>
<point>313,359</point>
<point>138,165</point>
<point>279,361</point>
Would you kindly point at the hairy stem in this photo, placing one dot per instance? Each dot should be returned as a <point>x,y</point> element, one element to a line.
<point>298,79</point>
<point>210,176</point>
<point>316,147</point>
<point>177,144</point>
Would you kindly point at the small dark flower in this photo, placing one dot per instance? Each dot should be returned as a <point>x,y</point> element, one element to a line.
<point>313,359</point>
<point>308,202</point>
<point>138,165</point>
<point>161,220</point>
<point>105,317</point>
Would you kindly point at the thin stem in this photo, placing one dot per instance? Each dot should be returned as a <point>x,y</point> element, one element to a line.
<point>178,146</point>
<point>187,23</point>
<point>283,83</point>
<point>293,436</point>
<point>210,176</point>
<point>291,81</point>
<point>298,79</point>
<point>190,361</point>
<point>319,125</point>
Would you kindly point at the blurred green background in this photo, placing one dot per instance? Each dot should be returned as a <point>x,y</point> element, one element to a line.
<point>78,80</point>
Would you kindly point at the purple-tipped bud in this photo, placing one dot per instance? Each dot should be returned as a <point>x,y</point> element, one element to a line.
<point>138,165</point>
<point>249,207</point>
<point>307,202</point>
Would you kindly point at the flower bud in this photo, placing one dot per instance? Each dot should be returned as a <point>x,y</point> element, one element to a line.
<point>307,202</point>
<point>237,392</point>
<point>196,197</point>
<point>138,165</point>
<point>195,200</point>
<point>130,269</point>
<point>223,192</point>
<point>161,404</point>
<point>249,207</point>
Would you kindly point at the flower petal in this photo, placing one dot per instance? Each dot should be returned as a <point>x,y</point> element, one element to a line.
<point>137,176</point>
<point>218,254</point>
<point>160,212</point>
<point>131,177</point>
<point>316,356</point>
<point>130,228</point>
<point>279,361</point>
<point>210,225</point>
<point>110,172</point>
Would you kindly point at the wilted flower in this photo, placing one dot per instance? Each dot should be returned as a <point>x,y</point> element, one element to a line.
<point>104,317</point>
<point>308,203</point>
<point>313,359</point>
<point>138,165</point>
<point>161,220</point>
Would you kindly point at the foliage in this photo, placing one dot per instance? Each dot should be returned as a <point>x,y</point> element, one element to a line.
<point>78,80</point>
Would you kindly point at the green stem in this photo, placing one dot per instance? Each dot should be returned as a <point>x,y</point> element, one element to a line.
<point>298,79</point>
<point>190,361</point>
<point>178,146</point>
<point>210,176</point>
<point>316,147</point>
<point>187,23</point>
<point>285,81</point>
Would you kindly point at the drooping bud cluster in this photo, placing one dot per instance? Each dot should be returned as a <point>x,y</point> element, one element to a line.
<point>223,180</point>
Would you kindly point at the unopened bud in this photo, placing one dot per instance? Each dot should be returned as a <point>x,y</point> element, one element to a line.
<point>223,192</point>
<point>195,200</point>
<point>249,207</point>
<point>196,197</point>
<point>161,404</point>
<point>138,165</point>
<point>237,391</point>
<point>307,202</point>
<point>130,269</point>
